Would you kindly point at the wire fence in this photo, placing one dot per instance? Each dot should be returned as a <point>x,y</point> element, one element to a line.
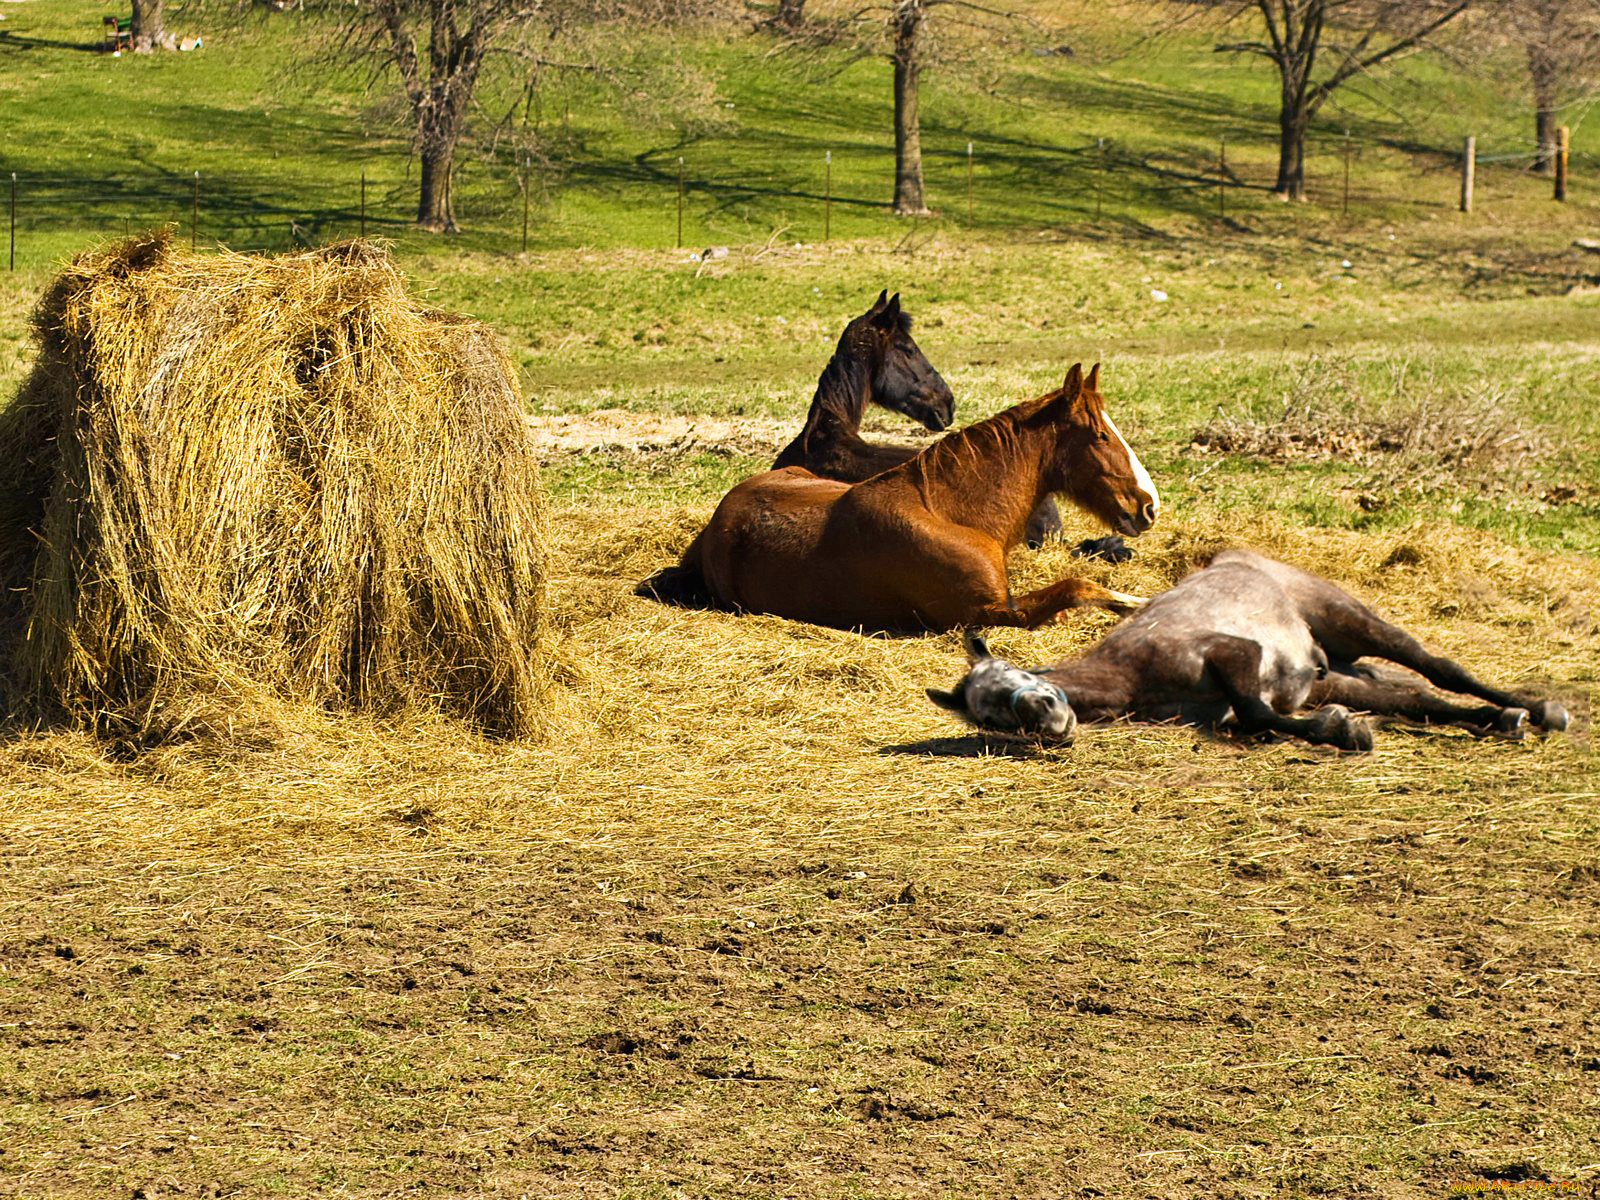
<point>1099,180</point>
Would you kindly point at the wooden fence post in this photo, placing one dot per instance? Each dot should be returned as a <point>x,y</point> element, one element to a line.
<point>1469,162</point>
<point>13,220</point>
<point>969,183</point>
<point>363,203</point>
<point>1563,143</point>
<point>1222,176</point>
<point>680,202</point>
<point>194,214</point>
<point>827,194</point>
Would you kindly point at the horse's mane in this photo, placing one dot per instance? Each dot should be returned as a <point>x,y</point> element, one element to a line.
<point>976,446</point>
<point>838,391</point>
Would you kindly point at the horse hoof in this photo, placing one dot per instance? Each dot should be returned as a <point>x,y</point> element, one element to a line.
<point>1513,723</point>
<point>1122,602</point>
<point>1112,549</point>
<point>1359,735</point>
<point>1549,716</point>
<point>1332,725</point>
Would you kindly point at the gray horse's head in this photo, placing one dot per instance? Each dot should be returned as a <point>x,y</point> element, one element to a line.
<point>996,695</point>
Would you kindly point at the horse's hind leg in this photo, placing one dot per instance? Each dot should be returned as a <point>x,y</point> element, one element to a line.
<point>1235,664</point>
<point>1395,698</point>
<point>1348,630</point>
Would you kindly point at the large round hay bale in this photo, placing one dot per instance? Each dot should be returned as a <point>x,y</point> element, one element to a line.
<point>231,482</point>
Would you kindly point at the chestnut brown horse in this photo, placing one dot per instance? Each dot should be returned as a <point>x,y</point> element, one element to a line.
<point>1247,643</point>
<point>877,362</point>
<point>923,545</point>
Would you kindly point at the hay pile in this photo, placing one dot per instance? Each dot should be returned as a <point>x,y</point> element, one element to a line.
<point>232,483</point>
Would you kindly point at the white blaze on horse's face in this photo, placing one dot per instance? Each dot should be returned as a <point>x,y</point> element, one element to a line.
<point>1000,696</point>
<point>1150,509</point>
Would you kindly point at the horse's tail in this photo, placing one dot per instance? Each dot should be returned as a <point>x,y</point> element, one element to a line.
<point>683,585</point>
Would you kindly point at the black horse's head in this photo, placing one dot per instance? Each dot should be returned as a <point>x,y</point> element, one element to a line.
<point>902,378</point>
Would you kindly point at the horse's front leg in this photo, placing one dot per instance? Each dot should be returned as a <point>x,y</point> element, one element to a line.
<point>1235,664</point>
<point>1044,523</point>
<point>1033,609</point>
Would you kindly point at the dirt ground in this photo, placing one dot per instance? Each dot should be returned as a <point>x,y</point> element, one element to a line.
<point>759,921</point>
<point>612,430</point>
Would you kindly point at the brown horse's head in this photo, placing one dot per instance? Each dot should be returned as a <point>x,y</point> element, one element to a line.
<point>1093,466</point>
<point>901,378</point>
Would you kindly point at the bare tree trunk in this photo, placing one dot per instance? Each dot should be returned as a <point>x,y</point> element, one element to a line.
<point>1292,121</point>
<point>1294,30</point>
<point>148,31</point>
<point>1544,132</point>
<point>440,95</point>
<point>908,201</point>
<point>791,14</point>
<point>1543,73</point>
<point>435,211</point>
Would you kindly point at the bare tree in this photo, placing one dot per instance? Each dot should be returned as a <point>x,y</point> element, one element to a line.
<point>440,49</point>
<point>1349,37</point>
<point>906,28</point>
<point>437,48</point>
<point>1560,40</point>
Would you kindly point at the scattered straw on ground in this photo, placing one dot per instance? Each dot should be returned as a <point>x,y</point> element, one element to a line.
<point>759,920</point>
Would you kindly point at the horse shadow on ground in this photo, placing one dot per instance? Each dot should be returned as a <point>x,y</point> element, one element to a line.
<point>978,745</point>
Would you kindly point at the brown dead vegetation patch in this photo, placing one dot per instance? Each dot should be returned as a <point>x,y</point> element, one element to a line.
<point>620,432</point>
<point>1415,438</point>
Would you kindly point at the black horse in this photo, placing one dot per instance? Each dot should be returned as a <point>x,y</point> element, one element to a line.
<point>877,362</point>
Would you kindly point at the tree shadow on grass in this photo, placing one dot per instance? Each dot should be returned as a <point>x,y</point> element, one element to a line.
<point>13,40</point>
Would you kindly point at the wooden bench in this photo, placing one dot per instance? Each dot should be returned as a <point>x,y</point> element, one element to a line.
<point>119,33</point>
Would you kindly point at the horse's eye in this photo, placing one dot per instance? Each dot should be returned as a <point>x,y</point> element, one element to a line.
<point>1105,435</point>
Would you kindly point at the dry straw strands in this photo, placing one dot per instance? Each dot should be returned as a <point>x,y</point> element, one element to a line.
<point>232,484</point>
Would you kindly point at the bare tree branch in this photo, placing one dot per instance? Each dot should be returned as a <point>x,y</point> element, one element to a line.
<point>1298,31</point>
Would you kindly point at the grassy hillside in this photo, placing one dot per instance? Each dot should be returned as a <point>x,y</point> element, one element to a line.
<point>100,143</point>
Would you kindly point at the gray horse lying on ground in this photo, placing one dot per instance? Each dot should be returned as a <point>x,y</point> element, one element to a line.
<point>1244,642</point>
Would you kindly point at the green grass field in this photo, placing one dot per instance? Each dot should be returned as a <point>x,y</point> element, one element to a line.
<point>758,920</point>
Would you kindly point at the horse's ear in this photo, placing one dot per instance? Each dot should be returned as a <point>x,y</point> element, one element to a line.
<point>877,305</point>
<point>1074,381</point>
<point>977,648</point>
<point>888,316</point>
<point>953,701</point>
<point>1092,384</point>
